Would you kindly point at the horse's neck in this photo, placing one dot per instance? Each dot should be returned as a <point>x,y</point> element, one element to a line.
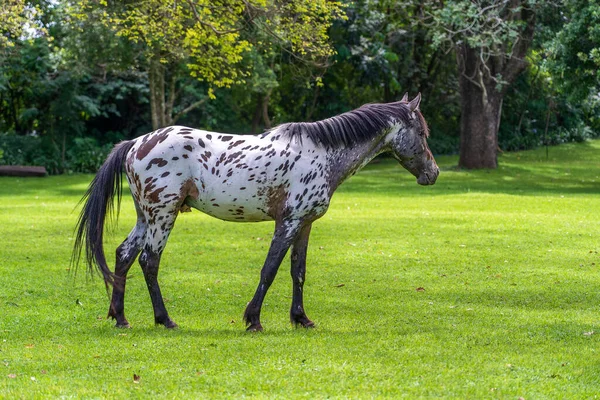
<point>345,162</point>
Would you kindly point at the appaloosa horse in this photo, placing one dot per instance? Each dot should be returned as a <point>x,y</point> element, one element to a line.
<point>286,175</point>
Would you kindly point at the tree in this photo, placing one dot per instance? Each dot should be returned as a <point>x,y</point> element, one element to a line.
<point>206,37</point>
<point>491,39</point>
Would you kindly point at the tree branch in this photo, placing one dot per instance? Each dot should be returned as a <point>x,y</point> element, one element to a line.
<point>188,109</point>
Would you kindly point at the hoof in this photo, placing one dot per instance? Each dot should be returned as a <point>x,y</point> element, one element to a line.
<point>123,325</point>
<point>307,325</point>
<point>303,322</point>
<point>171,325</point>
<point>254,328</point>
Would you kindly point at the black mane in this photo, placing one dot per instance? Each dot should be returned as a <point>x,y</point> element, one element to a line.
<point>352,127</point>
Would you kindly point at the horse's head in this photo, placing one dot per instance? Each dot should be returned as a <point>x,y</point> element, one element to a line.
<point>409,145</point>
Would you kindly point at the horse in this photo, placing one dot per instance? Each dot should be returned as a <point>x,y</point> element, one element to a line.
<point>287,174</point>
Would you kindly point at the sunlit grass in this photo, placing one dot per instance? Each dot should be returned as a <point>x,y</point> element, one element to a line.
<point>485,285</point>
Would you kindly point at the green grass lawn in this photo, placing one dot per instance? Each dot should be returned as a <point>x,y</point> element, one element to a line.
<point>484,285</point>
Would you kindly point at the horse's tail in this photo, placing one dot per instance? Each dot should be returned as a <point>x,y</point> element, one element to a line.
<point>100,197</point>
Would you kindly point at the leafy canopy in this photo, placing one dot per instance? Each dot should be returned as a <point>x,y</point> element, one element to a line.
<point>209,34</point>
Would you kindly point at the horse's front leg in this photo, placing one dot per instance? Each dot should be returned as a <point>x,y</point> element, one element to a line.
<point>283,237</point>
<point>298,271</point>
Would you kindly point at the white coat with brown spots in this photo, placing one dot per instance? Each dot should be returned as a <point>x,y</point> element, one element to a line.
<point>287,175</point>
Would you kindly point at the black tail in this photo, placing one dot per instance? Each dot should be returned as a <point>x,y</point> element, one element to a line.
<point>100,195</point>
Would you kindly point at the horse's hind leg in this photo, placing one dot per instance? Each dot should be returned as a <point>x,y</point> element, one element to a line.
<point>298,271</point>
<point>127,252</point>
<point>155,242</point>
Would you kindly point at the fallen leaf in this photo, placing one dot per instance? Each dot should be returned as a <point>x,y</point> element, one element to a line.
<point>30,346</point>
<point>340,285</point>
<point>420,289</point>
<point>79,303</point>
<point>33,378</point>
<point>12,376</point>
<point>136,378</point>
<point>44,372</point>
<point>590,333</point>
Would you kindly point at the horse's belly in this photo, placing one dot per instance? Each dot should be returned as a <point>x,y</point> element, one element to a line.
<point>242,211</point>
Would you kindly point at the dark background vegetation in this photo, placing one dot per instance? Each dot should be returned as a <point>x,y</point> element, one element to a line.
<point>66,95</point>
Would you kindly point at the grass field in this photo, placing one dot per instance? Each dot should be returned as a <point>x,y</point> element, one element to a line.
<point>485,285</point>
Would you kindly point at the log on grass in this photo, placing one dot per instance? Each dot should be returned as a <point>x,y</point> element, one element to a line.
<point>22,170</point>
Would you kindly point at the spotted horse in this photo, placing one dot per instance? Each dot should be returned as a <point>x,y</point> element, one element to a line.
<point>287,175</point>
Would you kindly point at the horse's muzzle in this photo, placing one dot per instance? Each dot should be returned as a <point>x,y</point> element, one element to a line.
<point>429,177</point>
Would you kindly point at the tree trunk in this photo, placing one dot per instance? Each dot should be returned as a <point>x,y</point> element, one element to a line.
<point>480,118</point>
<point>485,76</point>
<point>480,105</point>
<point>265,110</point>
<point>156,80</point>
<point>257,114</point>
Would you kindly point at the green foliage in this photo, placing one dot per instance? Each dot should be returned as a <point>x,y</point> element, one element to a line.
<point>27,150</point>
<point>484,285</point>
<point>82,155</point>
<point>574,53</point>
<point>85,155</point>
<point>15,16</point>
<point>207,35</point>
<point>72,77</point>
<point>490,25</point>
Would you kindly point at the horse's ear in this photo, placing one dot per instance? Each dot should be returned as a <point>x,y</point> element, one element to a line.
<point>404,98</point>
<point>414,103</point>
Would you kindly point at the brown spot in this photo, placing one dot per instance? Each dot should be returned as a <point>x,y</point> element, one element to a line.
<point>188,147</point>
<point>158,161</point>
<point>150,141</point>
<point>276,198</point>
<point>153,197</point>
<point>226,138</point>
